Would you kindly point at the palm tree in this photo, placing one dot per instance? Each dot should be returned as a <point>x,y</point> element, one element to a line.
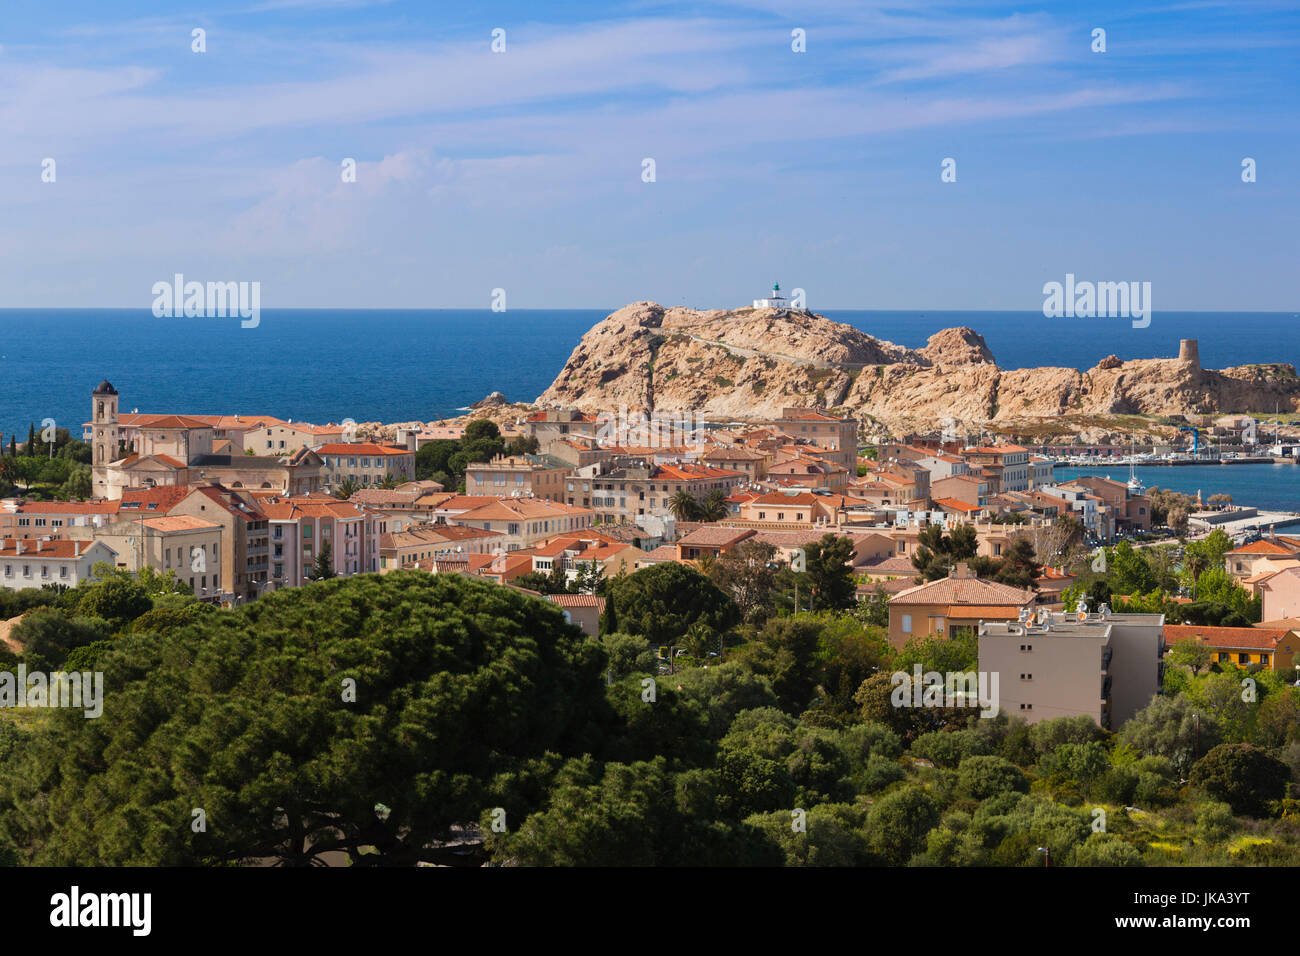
<point>390,481</point>
<point>346,489</point>
<point>1195,562</point>
<point>715,506</point>
<point>683,505</point>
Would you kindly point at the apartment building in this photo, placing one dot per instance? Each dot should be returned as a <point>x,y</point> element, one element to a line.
<point>578,552</point>
<point>1271,647</point>
<point>1129,510</point>
<point>1086,507</point>
<point>522,522</point>
<point>284,438</point>
<point>805,472</point>
<point>541,476</point>
<point>789,509</point>
<point>1055,664</point>
<point>621,489</point>
<point>32,519</point>
<point>961,600</point>
<point>189,547</point>
<point>365,464</point>
<point>34,562</point>
<point>560,423</point>
<point>750,462</point>
<point>973,489</point>
<point>301,527</point>
<point>837,438</point>
<point>1255,561</point>
<point>244,531</point>
<point>1005,466</point>
<point>408,547</point>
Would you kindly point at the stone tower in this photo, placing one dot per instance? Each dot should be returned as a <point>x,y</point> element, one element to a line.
<point>1189,352</point>
<point>105,434</point>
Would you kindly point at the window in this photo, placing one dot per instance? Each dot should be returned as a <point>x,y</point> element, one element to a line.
<point>306,532</point>
<point>907,624</point>
<point>1026,706</point>
<point>1026,676</point>
<point>1026,647</point>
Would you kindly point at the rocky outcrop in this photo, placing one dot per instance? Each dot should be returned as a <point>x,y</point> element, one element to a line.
<point>750,363</point>
<point>959,346</point>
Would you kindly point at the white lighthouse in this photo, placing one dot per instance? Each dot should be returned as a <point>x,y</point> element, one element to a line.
<point>775,301</point>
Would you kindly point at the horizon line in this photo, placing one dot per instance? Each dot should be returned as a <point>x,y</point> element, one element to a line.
<point>580,308</point>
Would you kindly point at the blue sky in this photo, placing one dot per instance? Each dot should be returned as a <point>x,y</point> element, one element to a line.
<point>522,170</point>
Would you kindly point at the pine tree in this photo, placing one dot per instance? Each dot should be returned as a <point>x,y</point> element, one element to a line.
<point>324,565</point>
<point>30,447</point>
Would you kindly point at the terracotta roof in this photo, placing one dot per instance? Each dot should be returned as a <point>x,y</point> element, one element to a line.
<point>67,508</point>
<point>168,523</point>
<point>163,497</point>
<point>800,499</point>
<point>894,564</point>
<point>984,612</point>
<point>686,472</point>
<point>665,552</point>
<point>1264,547</point>
<point>967,591</point>
<point>578,600</point>
<point>362,448</point>
<point>715,536</point>
<point>1243,638</point>
<point>58,548</point>
<point>956,505</point>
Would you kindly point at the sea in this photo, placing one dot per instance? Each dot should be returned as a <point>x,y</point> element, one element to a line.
<point>1268,487</point>
<point>323,365</point>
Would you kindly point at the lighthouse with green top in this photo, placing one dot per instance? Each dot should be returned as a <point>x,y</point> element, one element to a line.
<point>775,301</point>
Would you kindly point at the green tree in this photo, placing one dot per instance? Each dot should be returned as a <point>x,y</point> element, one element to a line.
<point>1170,727</point>
<point>291,718</point>
<point>346,489</point>
<point>938,553</point>
<point>899,821</point>
<point>116,599</point>
<point>663,601</point>
<point>684,506</point>
<point>981,777</point>
<point>747,574</point>
<point>829,576</point>
<point>48,635</point>
<point>323,567</point>
<point>785,653</point>
<point>1242,776</point>
<point>715,507</point>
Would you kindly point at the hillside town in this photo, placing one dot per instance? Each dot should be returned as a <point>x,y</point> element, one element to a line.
<point>559,502</point>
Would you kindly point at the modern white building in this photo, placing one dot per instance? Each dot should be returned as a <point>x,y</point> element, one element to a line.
<point>32,562</point>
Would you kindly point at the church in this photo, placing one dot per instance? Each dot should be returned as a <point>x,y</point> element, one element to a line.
<point>179,450</point>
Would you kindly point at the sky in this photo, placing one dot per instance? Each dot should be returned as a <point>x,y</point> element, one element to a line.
<point>525,169</point>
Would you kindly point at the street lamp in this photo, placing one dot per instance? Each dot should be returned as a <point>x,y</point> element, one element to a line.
<point>1047,855</point>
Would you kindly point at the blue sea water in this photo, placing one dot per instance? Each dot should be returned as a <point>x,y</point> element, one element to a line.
<point>1271,487</point>
<point>403,365</point>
